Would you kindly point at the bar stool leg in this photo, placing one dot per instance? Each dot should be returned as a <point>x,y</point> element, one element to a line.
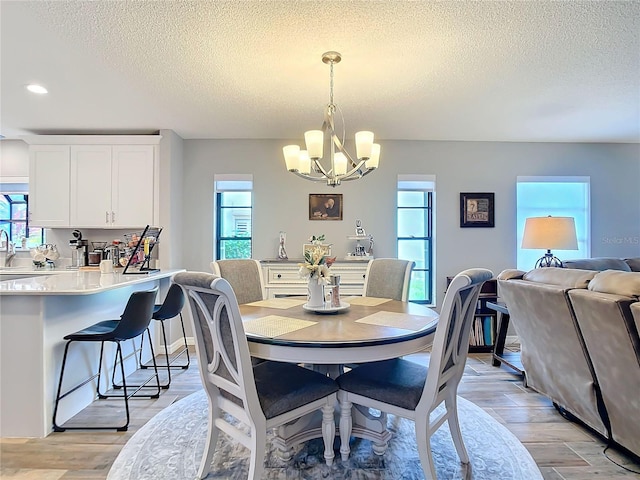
<point>56,427</point>
<point>169,365</point>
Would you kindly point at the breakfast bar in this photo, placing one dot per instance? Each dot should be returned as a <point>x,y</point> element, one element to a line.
<point>35,314</point>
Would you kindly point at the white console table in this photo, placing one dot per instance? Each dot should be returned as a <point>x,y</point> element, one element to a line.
<point>281,277</point>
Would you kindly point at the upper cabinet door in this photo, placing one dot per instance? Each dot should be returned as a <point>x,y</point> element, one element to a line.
<point>132,197</point>
<point>91,186</point>
<point>49,186</point>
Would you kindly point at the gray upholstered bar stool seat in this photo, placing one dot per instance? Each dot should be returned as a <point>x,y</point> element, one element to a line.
<point>261,397</point>
<point>403,388</point>
<point>134,322</point>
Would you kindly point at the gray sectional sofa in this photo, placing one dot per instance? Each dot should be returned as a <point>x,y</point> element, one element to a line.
<point>604,263</point>
<point>580,345</point>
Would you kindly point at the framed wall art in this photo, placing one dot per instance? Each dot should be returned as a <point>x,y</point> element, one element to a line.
<point>325,207</point>
<point>477,210</point>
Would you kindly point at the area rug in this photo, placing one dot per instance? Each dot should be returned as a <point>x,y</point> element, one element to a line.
<point>170,445</point>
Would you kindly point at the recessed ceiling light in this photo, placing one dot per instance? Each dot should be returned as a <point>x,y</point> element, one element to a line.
<point>33,88</point>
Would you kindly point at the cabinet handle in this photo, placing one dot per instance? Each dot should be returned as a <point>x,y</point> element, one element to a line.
<point>279,276</point>
<point>106,217</point>
<point>113,217</point>
<point>364,275</point>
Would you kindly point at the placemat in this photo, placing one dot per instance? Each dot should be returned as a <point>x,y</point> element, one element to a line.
<point>367,301</point>
<point>396,320</point>
<point>273,326</point>
<point>281,303</point>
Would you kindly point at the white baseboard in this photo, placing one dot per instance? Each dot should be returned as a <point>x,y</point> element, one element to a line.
<point>177,345</point>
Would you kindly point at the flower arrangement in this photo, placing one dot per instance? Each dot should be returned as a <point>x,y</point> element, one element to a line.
<point>316,261</point>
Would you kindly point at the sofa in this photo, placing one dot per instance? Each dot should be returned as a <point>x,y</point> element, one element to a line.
<point>580,346</point>
<point>604,263</point>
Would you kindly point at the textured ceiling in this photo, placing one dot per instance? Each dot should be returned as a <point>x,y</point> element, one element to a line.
<point>424,70</point>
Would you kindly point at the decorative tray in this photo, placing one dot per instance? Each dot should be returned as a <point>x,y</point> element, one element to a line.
<point>327,308</point>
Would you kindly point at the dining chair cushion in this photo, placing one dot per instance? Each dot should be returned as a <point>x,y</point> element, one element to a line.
<point>397,381</point>
<point>283,387</point>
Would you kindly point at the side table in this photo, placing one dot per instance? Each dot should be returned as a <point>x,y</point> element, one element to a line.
<point>511,359</point>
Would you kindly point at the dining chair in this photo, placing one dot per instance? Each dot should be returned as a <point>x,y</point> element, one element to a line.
<point>133,322</point>
<point>245,277</point>
<point>261,397</point>
<point>406,389</point>
<point>388,278</point>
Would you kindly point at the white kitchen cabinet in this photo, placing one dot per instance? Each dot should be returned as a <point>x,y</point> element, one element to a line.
<point>49,186</point>
<point>112,186</point>
<point>282,279</point>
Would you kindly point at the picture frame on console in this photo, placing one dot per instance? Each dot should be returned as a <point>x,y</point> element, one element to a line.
<point>477,210</point>
<point>325,207</point>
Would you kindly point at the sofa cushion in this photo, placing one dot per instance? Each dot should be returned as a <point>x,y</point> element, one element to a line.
<point>634,263</point>
<point>616,282</point>
<point>599,264</point>
<point>562,277</point>
<point>510,274</point>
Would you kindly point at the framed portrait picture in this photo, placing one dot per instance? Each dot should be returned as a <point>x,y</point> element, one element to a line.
<point>476,210</point>
<point>325,207</point>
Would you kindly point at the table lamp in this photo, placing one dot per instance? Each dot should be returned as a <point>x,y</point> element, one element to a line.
<point>558,233</point>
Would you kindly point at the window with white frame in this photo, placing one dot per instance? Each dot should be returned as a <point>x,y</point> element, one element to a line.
<point>557,197</point>
<point>233,216</point>
<point>415,240</point>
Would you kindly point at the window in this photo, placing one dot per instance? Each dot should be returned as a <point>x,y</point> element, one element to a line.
<point>415,232</point>
<point>558,197</point>
<point>233,216</point>
<point>14,220</point>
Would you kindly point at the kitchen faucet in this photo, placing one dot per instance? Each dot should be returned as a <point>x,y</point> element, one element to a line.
<point>10,250</point>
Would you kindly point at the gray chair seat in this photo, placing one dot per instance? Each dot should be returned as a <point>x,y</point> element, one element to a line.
<point>302,386</point>
<point>397,381</point>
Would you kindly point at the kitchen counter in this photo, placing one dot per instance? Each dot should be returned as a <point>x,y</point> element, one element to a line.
<point>35,315</point>
<point>72,282</point>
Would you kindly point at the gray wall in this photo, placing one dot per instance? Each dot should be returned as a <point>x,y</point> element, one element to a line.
<point>281,199</point>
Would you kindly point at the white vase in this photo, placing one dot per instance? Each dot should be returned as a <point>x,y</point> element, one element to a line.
<point>315,297</point>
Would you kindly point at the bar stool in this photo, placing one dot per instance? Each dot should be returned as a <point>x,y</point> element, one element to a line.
<point>170,308</point>
<point>134,322</point>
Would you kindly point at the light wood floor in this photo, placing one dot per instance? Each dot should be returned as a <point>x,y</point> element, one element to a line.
<point>562,449</point>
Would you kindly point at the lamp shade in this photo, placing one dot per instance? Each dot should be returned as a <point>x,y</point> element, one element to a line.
<point>550,233</point>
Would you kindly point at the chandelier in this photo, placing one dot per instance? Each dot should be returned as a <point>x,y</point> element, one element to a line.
<point>340,166</point>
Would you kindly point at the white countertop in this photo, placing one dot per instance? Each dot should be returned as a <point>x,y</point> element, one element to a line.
<point>74,282</point>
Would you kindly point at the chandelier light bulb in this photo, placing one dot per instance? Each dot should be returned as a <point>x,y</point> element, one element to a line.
<point>375,156</point>
<point>304,162</point>
<point>314,139</point>
<point>340,163</point>
<point>291,155</point>
<point>364,142</point>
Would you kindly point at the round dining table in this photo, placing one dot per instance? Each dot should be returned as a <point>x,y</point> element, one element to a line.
<point>365,329</point>
<point>362,329</point>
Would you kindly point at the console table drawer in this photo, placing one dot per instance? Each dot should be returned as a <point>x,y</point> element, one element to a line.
<point>286,274</point>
